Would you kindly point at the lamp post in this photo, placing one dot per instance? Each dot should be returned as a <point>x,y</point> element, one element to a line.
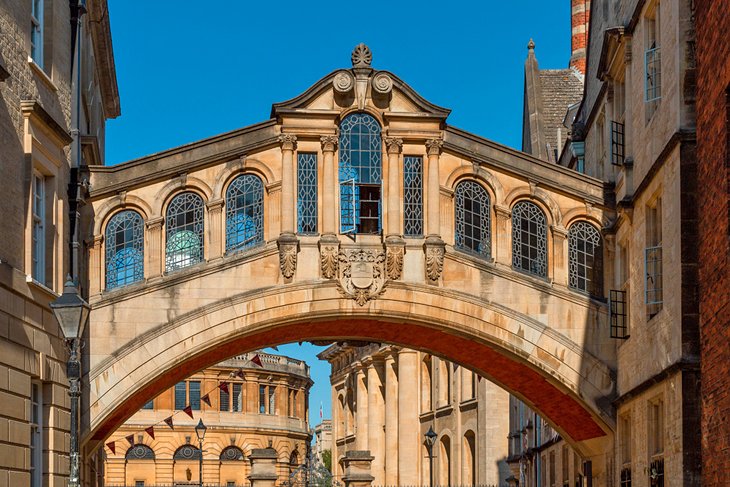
<point>430,440</point>
<point>71,313</point>
<point>200,430</point>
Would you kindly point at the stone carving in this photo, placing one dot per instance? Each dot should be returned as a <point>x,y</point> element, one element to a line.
<point>288,141</point>
<point>382,83</point>
<point>362,275</point>
<point>328,261</point>
<point>394,261</point>
<point>343,82</point>
<point>434,146</point>
<point>361,56</point>
<point>434,262</point>
<point>329,143</point>
<point>288,248</point>
<point>394,145</point>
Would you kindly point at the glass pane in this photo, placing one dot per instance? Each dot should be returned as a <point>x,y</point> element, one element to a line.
<point>244,213</point>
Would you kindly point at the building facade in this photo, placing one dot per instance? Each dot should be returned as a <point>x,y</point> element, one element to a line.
<point>322,440</point>
<point>57,88</point>
<point>251,407</point>
<point>386,398</point>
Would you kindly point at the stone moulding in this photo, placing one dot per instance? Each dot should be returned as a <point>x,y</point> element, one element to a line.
<point>288,249</point>
<point>395,249</point>
<point>435,252</point>
<point>362,274</point>
<point>329,250</point>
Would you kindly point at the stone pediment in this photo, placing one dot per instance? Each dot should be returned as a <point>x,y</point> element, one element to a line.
<point>360,87</point>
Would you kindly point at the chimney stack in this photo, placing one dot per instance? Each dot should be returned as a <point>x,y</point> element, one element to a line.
<point>579,13</point>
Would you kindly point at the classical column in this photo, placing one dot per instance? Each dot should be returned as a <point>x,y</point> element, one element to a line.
<point>395,246</point>
<point>376,419</point>
<point>391,419</point>
<point>215,227</point>
<point>154,264</point>
<point>409,440</point>
<point>434,246</point>
<point>361,410</point>
<point>329,245</point>
<point>287,241</point>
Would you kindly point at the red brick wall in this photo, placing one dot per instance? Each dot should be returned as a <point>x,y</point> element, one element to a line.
<point>713,146</point>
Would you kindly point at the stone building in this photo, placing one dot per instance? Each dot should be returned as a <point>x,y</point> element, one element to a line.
<point>635,129</point>
<point>322,439</point>
<point>44,76</point>
<point>385,399</point>
<point>259,407</point>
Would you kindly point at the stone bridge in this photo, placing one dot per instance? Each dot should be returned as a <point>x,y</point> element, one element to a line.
<point>354,212</point>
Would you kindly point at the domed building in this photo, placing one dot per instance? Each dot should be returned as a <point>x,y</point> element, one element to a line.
<point>255,400</point>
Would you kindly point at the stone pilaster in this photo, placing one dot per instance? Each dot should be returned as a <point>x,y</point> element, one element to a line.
<point>391,419</point>
<point>392,218</point>
<point>215,228</point>
<point>329,186</point>
<point>263,467</point>
<point>434,247</point>
<point>502,248</point>
<point>287,242</point>
<point>408,423</point>
<point>376,420</point>
<point>361,410</point>
<point>155,262</point>
<point>560,255</point>
<point>97,275</point>
<point>357,468</point>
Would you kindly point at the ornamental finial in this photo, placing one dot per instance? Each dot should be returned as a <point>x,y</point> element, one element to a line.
<point>361,56</point>
<point>531,45</point>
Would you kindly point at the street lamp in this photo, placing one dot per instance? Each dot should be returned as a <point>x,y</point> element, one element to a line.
<point>71,313</point>
<point>430,440</point>
<point>200,430</point>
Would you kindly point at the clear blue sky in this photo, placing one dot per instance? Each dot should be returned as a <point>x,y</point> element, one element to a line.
<point>190,70</point>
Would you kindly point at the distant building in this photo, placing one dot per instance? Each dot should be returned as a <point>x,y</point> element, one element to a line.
<point>260,407</point>
<point>385,399</point>
<point>322,439</point>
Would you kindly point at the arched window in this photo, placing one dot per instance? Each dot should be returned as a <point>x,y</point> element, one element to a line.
<point>294,458</point>
<point>585,258</point>
<point>124,256</point>
<point>244,213</point>
<point>472,219</point>
<point>529,239</point>
<point>140,452</point>
<point>187,452</point>
<point>360,174</point>
<point>184,228</point>
<point>231,453</point>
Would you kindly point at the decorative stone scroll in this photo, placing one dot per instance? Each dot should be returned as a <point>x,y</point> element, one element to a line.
<point>382,83</point>
<point>288,249</point>
<point>343,82</point>
<point>362,274</point>
<point>395,249</point>
<point>435,251</point>
<point>329,254</point>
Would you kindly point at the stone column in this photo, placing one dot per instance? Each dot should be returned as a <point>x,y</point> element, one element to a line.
<point>97,272</point>
<point>395,246</point>
<point>215,227</point>
<point>391,419</point>
<point>503,235</point>
<point>288,242</point>
<point>376,420</point>
<point>409,440</point>
<point>560,255</point>
<point>263,467</point>
<point>154,265</point>
<point>329,245</point>
<point>357,469</point>
<point>434,246</point>
<point>361,410</point>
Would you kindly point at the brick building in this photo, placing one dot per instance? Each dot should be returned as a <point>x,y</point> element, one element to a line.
<point>713,149</point>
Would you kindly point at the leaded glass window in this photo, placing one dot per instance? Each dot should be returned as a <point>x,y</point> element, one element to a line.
<point>186,452</point>
<point>231,453</point>
<point>412,196</point>
<point>124,255</point>
<point>140,452</point>
<point>184,225</point>
<point>472,219</point>
<point>529,239</point>
<point>585,258</point>
<point>244,213</point>
<point>180,395</point>
<point>307,193</point>
<point>360,174</point>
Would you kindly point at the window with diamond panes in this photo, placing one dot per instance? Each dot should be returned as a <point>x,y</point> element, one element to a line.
<point>307,193</point>
<point>184,226</point>
<point>244,213</point>
<point>360,174</point>
<point>472,219</point>
<point>124,253</point>
<point>585,259</point>
<point>413,196</point>
<point>529,239</point>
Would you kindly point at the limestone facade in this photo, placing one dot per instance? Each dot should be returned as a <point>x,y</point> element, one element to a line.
<point>42,136</point>
<point>322,439</point>
<point>261,407</point>
<point>385,399</point>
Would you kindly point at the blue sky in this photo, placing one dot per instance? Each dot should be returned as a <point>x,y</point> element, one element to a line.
<point>190,70</point>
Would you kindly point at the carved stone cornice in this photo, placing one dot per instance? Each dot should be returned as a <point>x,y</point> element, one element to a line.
<point>434,146</point>
<point>288,141</point>
<point>329,143</point>
<point>394,144</point>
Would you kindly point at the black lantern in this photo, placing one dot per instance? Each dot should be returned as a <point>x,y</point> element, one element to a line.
<point>430,440</point>
<point>71,311</point>
<point>200,430</point>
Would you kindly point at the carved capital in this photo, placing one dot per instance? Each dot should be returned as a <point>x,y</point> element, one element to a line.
<point>215,205</point>
<point>394,145</point>
<point>502,212</point>
<point>288,141</point>
<point>395,249</point>
<point>329,250</point>
<point>435,251</point>
<point>154,223</point>
<point>329,143</point>
<point>288,248</point>
<point>559,231</point>
<point>434,146</point>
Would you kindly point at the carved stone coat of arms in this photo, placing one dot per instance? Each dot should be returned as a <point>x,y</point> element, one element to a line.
<point>362,274</point>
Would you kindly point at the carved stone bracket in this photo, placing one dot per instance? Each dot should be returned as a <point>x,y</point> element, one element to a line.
<point>435,250</point>
<point>395,249</point>
<point>329,250</point>
<point>362,274</point>
<point>288,249</point>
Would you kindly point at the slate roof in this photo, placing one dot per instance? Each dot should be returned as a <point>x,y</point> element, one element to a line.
<point>560,88</point>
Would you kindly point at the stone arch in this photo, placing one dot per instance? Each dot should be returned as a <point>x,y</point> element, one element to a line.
<point>119,203</point>
<point>139,451</point>
<point>179,185</point>
<point>492,183</point>
<point>541,198</point>
<point>548,371</point>
<point>231,453</point>
<point>366,109</point>
<point>589,214</point>
<point>468,458</point>
<point>233,168</point>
